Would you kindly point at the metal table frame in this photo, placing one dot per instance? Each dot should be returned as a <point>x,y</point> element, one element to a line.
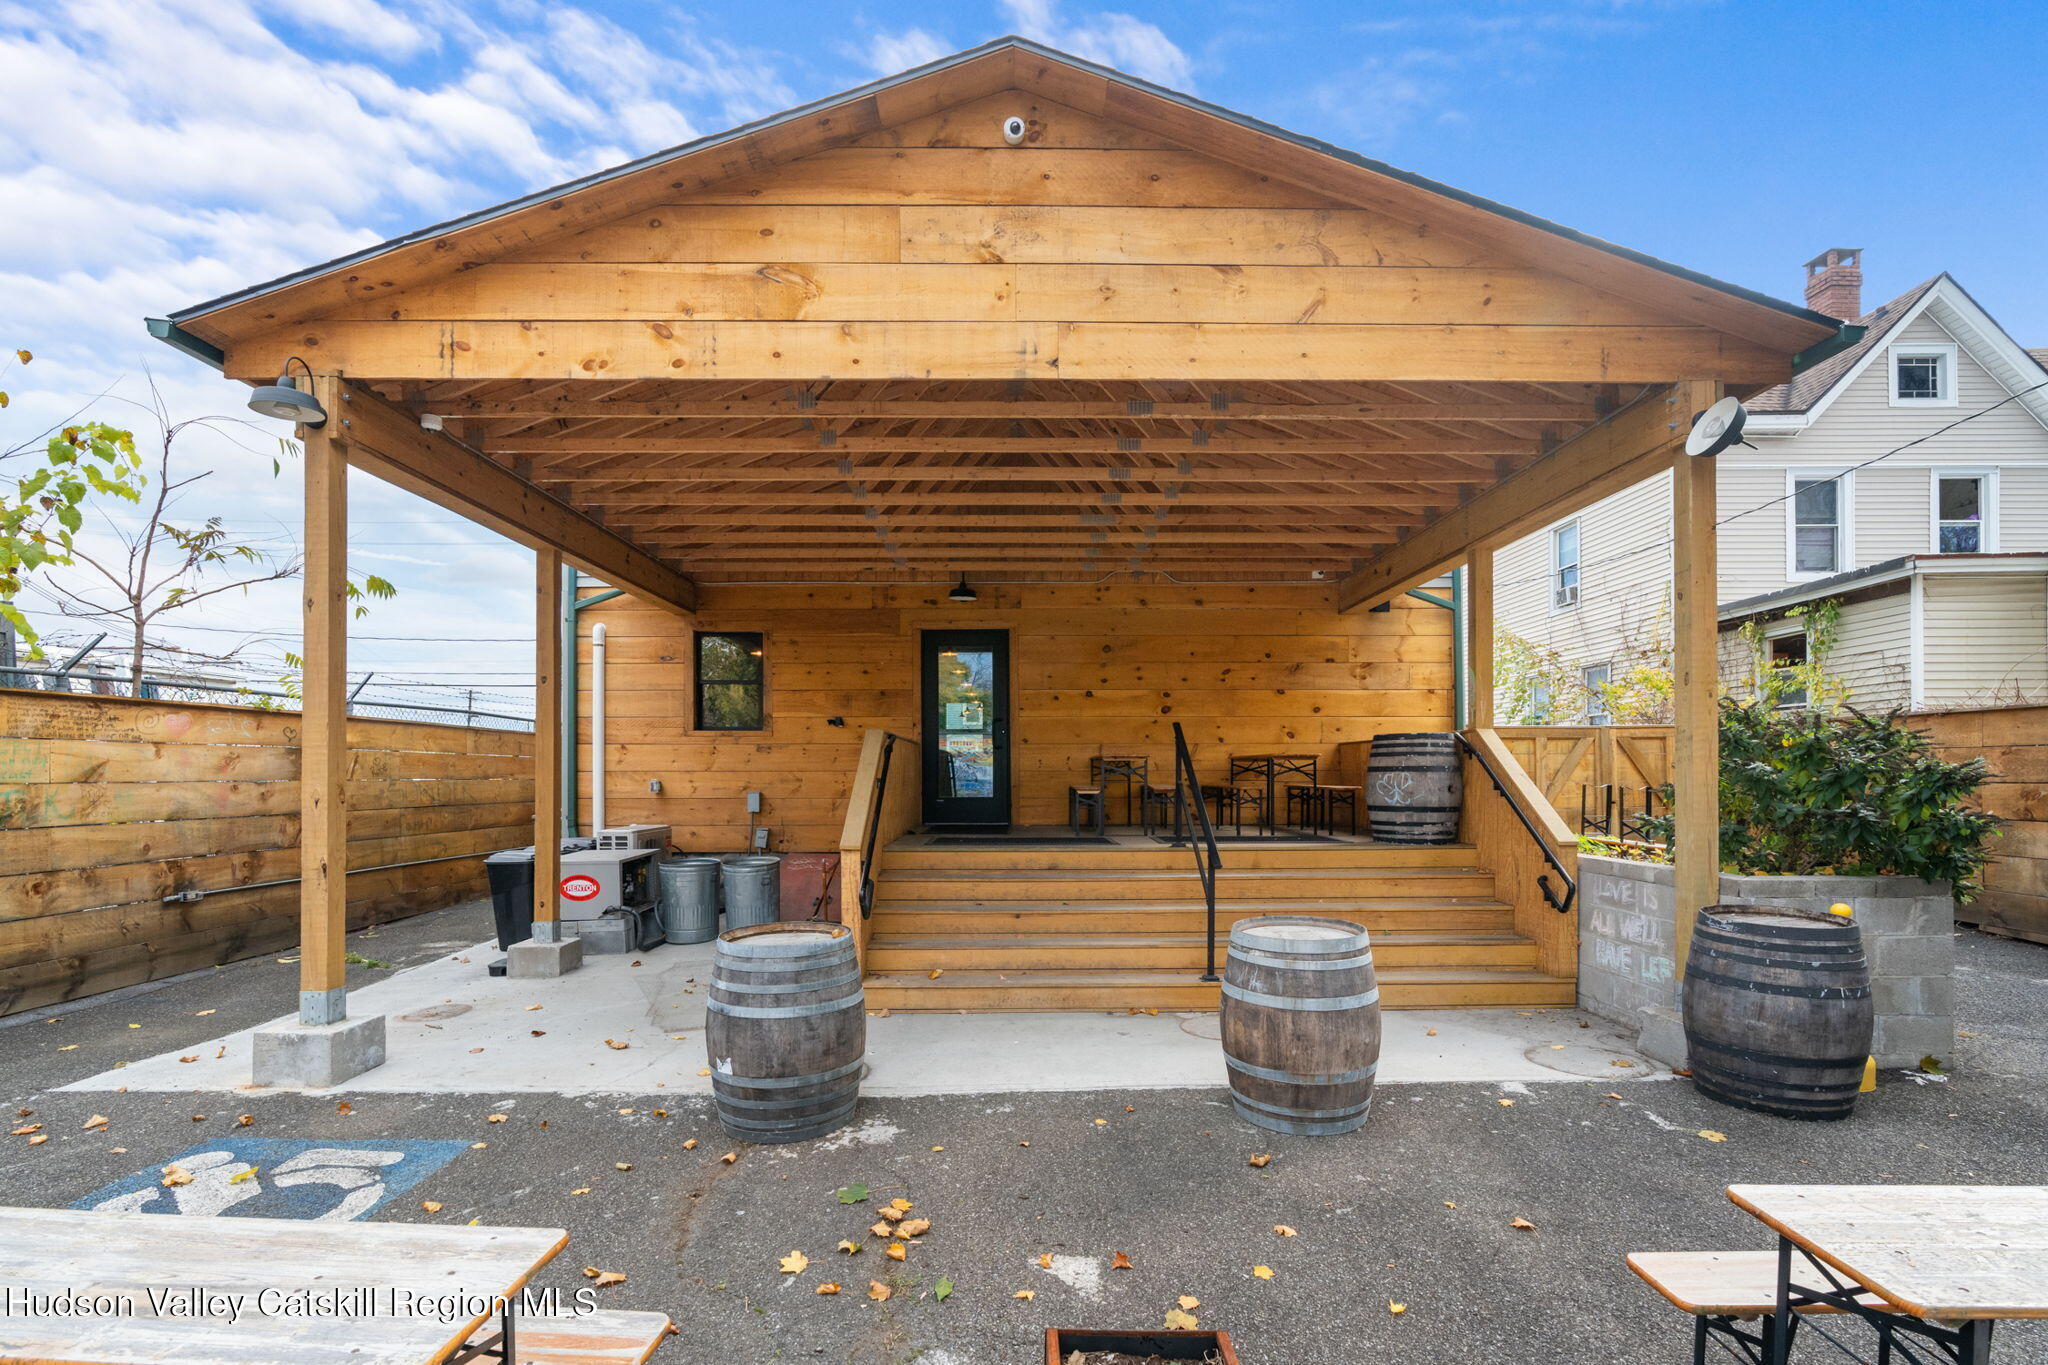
<point>1968,1344</point>
<point>1272,767</point>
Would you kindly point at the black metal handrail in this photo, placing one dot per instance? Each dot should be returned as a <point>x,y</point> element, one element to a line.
<point>874,825</point>
<point>1550,898</point>
<point>1187,791</point>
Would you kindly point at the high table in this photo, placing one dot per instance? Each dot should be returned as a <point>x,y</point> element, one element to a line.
<point>1272,767</point>
<point>1947,1260</point>
<point>453,1277</point>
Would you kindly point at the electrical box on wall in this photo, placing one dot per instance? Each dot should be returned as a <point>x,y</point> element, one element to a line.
<point>761,837</point>
<point>753,803</point>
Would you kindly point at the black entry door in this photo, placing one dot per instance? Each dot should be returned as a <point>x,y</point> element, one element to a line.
<point>966,691</point>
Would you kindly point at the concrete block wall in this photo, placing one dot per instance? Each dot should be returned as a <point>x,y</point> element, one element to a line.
<point>1627,972</point>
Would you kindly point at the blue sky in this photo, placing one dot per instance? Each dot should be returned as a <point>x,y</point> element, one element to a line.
<point>154,153</point>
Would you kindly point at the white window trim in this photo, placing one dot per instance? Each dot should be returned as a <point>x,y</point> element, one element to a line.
<point>1550,560</point>
<point>1988,538</point>
<point>1845,520</point>
<point>1951,380</point>
<point>1791,625</point>
<point>1593,698</point>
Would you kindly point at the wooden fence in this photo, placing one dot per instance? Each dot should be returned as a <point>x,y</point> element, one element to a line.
<point>141,839</point>
<point>2013,742</point>
<point>1565,760</point>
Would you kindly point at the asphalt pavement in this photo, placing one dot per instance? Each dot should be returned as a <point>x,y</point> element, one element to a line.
<point>1419,1210</point>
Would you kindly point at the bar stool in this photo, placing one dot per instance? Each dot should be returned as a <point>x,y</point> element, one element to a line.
<point>1159,808</point>
<point>1088,800</point>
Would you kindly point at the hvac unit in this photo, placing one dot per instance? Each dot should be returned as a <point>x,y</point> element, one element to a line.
<point>634,836</point>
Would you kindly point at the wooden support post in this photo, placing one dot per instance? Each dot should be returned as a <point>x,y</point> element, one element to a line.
<point>323,734</point>
<point>1695,702</point>
<point>547,744</point>
<point>1479,613</point>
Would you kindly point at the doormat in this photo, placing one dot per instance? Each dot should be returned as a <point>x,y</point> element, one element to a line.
<point>1007,841</point>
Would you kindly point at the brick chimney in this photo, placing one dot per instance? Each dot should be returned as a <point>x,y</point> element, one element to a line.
<point>1834,283</point>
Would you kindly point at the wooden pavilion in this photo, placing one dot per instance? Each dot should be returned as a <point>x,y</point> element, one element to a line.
<point>1190,402</point>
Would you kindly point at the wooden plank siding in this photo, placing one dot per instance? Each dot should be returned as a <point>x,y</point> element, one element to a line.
<point>109,805</point>
<point>2013,742</point>
<point>1095,669</point>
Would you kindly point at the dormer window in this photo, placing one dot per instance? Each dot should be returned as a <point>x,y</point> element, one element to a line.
<point>1924,376</point>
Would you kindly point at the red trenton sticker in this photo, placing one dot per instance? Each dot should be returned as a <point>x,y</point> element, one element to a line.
<point>579,887</point>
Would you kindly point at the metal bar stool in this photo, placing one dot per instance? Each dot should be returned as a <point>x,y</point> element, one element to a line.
<point>1088,800</point>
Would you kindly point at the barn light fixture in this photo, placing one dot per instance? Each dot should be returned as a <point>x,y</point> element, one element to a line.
<point>287,401</point>
<point>962,593</point>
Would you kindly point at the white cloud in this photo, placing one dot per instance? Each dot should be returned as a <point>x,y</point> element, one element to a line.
<point>1114,39</point>
<point>888,53</point>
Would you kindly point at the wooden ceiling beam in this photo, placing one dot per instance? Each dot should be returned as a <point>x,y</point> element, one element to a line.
<point>927,473</point>
<point>998,409</point>
<point>1307,501</point>
<point>557,450</point>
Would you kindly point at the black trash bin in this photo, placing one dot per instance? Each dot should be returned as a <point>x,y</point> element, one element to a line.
<point>511,875</point>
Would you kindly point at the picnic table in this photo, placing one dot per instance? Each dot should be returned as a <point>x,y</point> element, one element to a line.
<point>1947,1261</point>
<point>1272,767</point>
<point>368,1271</point>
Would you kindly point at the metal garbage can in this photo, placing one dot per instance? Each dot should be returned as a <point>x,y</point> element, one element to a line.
<point>753,891</point>
<point>689,899</point>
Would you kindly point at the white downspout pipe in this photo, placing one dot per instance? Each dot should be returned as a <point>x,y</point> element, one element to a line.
<point>597,727</point>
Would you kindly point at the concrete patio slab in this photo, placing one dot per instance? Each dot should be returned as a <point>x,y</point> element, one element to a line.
<point>634,1025</point>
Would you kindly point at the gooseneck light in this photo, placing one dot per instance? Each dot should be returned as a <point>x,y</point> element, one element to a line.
<point>287,401</point>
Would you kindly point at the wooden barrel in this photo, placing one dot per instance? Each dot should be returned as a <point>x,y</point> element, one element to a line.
<point>1778,1015</point>
<point>1301,1023</point>
<point>1414,788</point>
<point>786,1030</point>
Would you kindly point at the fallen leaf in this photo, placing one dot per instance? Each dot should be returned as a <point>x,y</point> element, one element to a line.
<point>192,1058</point>
<point>240,1176</point>
<point>892,1213</point>
<point>1026,1294</point>
<point>1524,1224</point>
<point>848,1194</point>
<point>935,973</point>
<point>881,1230</point>
<point>1119,1261</point>
<point>584,1190</point>
<point>1612,1096</point>
<point>1189,1301</point>
<point>1396,1308</point>
<point>1505,1104</point>
<point>1712,1136</point>
<point>913,1227</point>
<point>826,1289</point>
<point>1621,1062</point>
<point>1178,1321</point>
<point>430,1206</point>
<point>201,1014</point>
<point>344,1108</point>
<point>1432,1032</point>
<point>26,1129</point>
<point>39,1139</point>
<point>497,1118</point>
<point>474,1145</point>
<point>68,1047</point>
<point>898,1252</point>
<point>1102,1123</point>
<point>1263,1272</point>
<point>616,1045</point>
<point>96,1121</point>
<point>942,1289</point>
<point>1260,1159</point>
<point>730,1157</point>
<point>690,1145</point>
<point>938,1149</point>
<point>176,1175</point>
<point>849,1248</point>
<point>878,1291</point>
<point>604,1278</point>
<point>531,1008</point>
<point>794,1263</point>
<point>901,1205</point>
<point>659,1113</point>
<point>1449,1205</point>
<point>704,1071</point>
<point>1045,1261</point>
<point>1023,1144</point>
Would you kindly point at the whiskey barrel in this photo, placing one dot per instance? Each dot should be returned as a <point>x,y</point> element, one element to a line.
<point>786,1030</point>
<point>1301,1023</point>
<point>1414,788</point>
<point>1778,1015</point>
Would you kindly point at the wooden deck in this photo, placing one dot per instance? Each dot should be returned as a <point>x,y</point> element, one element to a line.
<point>1029,924</point>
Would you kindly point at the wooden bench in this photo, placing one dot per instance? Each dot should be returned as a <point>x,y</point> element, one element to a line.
<point>1088,802</point>
<point>1721,1289</point>
<point>606,1337</point>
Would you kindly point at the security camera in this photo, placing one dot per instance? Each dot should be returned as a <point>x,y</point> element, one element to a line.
<point>1013,131</point>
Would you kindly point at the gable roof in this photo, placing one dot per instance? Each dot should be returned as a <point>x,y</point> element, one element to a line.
<point>1784,409</point>
<point>1814,382</point>
<point>2040,354</point>
<point>1010,62</point>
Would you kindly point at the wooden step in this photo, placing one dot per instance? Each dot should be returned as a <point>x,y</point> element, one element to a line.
<point>1138,884</point>
<point>1459,914</point>
<point>996,992</point>
<point>908,954</point>
<point>901,857</point>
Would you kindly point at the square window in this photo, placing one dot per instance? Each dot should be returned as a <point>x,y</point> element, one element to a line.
<point>1925,376</point>
<point>730,677</point>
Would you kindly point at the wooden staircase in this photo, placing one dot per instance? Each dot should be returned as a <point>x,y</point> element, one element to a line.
<point>1108,927</point>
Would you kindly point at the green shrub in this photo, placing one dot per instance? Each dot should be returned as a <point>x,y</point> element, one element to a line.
<point>1806,793</point>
